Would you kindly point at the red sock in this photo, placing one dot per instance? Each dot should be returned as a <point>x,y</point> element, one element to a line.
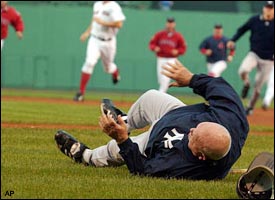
<point>116,73</point>
<point>84,80</point>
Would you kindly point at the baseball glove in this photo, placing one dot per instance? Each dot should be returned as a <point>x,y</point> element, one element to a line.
<point>258,181</point>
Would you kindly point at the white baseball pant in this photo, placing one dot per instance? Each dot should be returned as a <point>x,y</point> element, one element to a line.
<point>2,44</point>
<point>264,68</point>
<point>217,68</point>
<point>269,94</point>
<point>163,80</point>
<point>106,50</point>
<point>147,110</point>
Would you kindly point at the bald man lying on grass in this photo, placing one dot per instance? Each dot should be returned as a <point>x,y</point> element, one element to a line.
<point>200,141</point>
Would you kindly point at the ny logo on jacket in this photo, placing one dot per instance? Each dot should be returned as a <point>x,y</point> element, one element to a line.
<point>172,136</point>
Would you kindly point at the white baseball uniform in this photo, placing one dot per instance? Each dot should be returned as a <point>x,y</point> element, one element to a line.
<point>163,80</point>
<point>264,68</point>
<point>102,42</point>
<point>269,93</point>
<point>2,44</point>
<point>217,68</point>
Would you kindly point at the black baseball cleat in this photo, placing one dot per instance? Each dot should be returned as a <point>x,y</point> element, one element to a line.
<point>265,106</point>
<point>79,97</point>
<point>68,145</point>
<point>107,106</point>
<point>249,111</point>
<point>116,77</point>
<point>245,91</point>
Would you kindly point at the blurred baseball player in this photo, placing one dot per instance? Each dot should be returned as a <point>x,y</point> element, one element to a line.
<point>261,53</point>
<point>107,19</point>
<point>168,45</point>
<point>10,16</point>
<point>215,49</point>
<point>269,93</point>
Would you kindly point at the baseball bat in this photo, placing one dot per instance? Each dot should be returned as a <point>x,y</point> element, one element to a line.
<point>237,171</point>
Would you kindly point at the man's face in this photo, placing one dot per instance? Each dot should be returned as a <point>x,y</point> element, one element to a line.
<point>268,12</point>
<point>3,4</point>
<point>218,32</point>
<point>170,25</point>
<point>193,141</point>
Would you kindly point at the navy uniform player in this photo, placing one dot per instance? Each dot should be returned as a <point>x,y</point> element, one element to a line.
<point>261,53</point>
<point>216,52</point>
<point>200,141</point>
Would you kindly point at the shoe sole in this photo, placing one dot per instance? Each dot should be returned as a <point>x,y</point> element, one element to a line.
<point>106,108</point>
<point>64,138</point>
<point>61,138</point>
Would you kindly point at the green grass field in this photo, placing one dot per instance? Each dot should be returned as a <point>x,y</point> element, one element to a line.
<point>33,167</point>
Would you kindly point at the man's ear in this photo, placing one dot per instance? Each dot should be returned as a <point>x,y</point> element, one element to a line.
<point>201,156</point>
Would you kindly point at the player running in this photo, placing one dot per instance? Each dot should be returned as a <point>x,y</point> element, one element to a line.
<point>261,53</point>
<point>215,49</point>
<point>10,16</point>
<point>107,19</point>
<point>168,45</point>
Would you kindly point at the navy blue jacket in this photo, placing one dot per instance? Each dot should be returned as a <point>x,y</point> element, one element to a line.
<point>218,47</point>
<point>261,38</point>
<point>168,156</point>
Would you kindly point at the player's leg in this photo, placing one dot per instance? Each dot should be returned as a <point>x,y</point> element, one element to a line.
<point>269,94</point>
<point>2,44</point>
<point>92,56</point>
<point>209,69</point>
<point>150,107</point>
<point>217,68</point>
<point>262,75</point>
<point>108,53</point>
<point>249,63</point>
<point>103,156</point>
<point>163,80</point>
<point>108,155</point>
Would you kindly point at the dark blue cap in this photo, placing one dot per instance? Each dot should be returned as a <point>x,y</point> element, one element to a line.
<point>218,26</point>
<point>269,4</point>
<point>171,19</point>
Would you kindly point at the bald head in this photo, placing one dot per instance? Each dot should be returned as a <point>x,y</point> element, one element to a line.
<point>209,141</point>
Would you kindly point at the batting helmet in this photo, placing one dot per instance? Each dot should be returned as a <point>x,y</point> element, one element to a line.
<point>258,181</point>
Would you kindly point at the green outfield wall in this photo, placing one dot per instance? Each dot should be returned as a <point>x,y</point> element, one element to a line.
<point>51,55</point>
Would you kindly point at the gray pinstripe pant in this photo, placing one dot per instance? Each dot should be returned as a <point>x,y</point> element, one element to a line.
<point>147,110</point>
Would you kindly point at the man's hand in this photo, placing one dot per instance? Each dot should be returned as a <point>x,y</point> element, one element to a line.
<point>208,52</point>
<point>117,131</point>
<point>175,52</point>
<point>179,73</point>
<point>84,36</point>
<point>156,49</point>
<point>19,35</point>
<point>230,44</point>
<point>229,58</point>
